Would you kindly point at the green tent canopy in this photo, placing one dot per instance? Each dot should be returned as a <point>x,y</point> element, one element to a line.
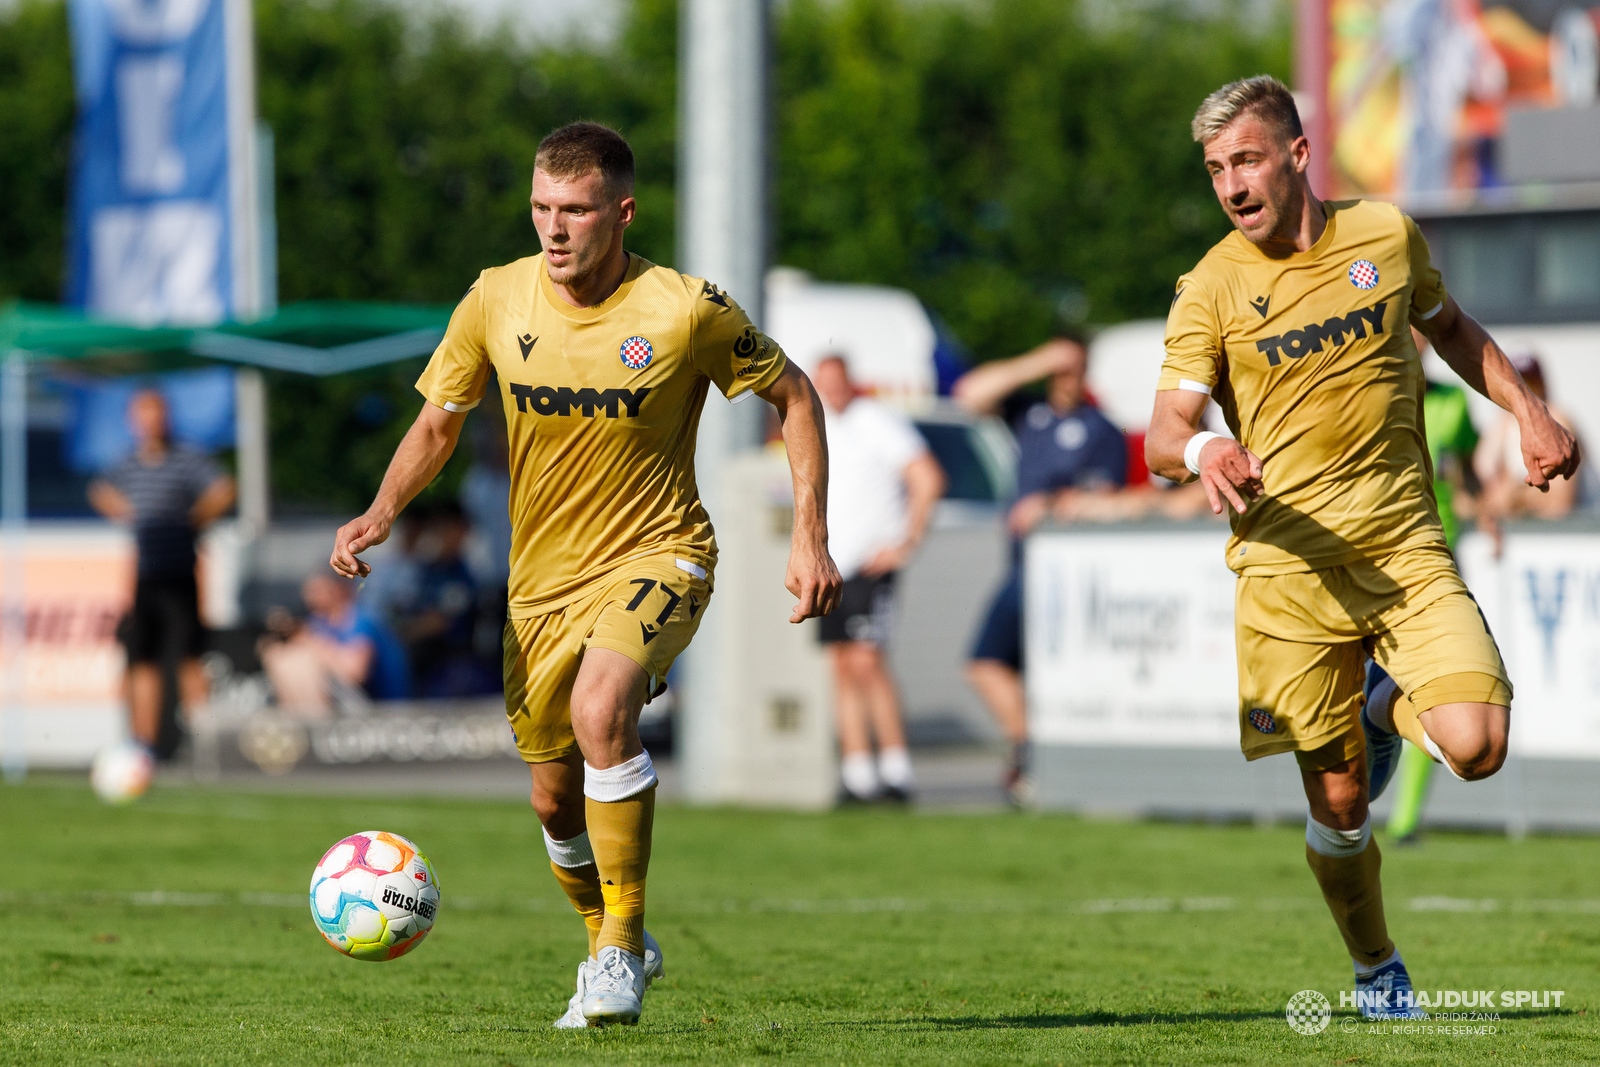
<point>316,337</point>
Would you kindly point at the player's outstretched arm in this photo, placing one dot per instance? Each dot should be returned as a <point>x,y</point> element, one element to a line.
<point>1177,448</point>
<point>985,387</point>
<point>812,576</point>
<point>1549,449</point>
<point>421,455</point>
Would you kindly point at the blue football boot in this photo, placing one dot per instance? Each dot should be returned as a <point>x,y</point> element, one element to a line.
<point>1383,747</point>
<point>1386,993</point>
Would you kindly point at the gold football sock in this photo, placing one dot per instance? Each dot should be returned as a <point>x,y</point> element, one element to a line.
<point>619,832</point>
<point>1406,723</point>
<point>582,887</point>
<point>1355,897</point>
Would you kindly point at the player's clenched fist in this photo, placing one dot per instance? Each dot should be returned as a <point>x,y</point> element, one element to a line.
<point>355,537</point>
<point>1549,449</point>
<point>814,580</point>
<point>1230,472</point>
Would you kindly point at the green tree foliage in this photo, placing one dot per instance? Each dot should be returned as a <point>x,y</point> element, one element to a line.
<point>36,112</point>
<point>1013,162</point>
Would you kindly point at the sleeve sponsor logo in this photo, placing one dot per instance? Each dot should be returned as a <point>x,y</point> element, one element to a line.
<point>754,348</point>
<point>1309,339</point>
<point>550,400</point>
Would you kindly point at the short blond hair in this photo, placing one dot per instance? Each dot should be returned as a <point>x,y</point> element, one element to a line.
<point>1263,96</point>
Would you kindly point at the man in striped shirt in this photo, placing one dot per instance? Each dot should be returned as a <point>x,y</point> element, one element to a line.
<point>167,493</point>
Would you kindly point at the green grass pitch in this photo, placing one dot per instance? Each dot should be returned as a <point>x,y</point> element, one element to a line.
<point>176,931</point>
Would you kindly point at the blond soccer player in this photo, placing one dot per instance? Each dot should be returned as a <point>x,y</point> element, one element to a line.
<point>1297,325</point>
<point>603,363</point>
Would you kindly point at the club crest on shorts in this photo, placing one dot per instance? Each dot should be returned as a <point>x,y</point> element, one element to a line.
<point>1363,274</point>
<point>637,352</point>
<point>1263,721</point>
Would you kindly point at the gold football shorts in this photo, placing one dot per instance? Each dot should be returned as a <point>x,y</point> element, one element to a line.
<point>1302,639</point>
<point>648,610</point>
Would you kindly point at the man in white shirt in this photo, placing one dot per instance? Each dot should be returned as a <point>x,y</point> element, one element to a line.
<point>883,484</point>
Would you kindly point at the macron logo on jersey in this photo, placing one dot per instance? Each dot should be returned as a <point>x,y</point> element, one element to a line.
<point>1307,339</point>
<point>545,400</point>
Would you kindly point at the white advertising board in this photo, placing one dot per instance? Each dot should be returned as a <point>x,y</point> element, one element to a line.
<point>1129,637</point>
<point>78,580</point>
<point>1542,600</point>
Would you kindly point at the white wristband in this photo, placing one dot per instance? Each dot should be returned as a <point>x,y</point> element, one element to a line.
<point>1191,451</point>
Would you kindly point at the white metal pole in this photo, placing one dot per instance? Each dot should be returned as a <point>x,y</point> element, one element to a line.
<point>13,534</point>
<point>722,236</point>
<point>244,223</point>
<point>250,443</point>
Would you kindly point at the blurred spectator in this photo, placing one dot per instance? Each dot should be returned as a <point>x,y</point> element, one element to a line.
<point>439,630</point>
<point>1067,450</point>
<point>1499,461</point>
<point>168,493</point>
<point>339,657</point>
<point>883,485</point>
<point>389,593</point>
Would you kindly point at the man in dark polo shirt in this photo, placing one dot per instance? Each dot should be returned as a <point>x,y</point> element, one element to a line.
<point>168,493</point>
<point>1065,446</point>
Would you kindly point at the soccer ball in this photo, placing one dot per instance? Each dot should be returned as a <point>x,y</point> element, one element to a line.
<point>121,773</point>
<point>374,896</point>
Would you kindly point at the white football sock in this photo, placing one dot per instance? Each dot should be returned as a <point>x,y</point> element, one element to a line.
<point>1433,750</point>
<point>1327,841</point>
<point>620,782</point>
<point>860,776</point>
<point>573,852</point>
<point>894,767</point>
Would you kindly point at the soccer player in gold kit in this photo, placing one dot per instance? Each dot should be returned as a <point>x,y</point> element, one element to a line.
<point>603,362</point>
<point>1297,325</point>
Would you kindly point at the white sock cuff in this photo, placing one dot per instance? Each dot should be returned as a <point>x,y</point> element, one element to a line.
<point>1433,750</point>
<point>620,782</point>
<point>1326,841</point>
<point>573,852</point>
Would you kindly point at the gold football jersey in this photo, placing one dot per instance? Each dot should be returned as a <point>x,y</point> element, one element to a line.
<point>602,408</point>
<point>1311,360</point>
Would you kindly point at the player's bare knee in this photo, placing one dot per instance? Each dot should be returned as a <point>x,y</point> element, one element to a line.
<point>562,816</point>
<point>1483,758</point>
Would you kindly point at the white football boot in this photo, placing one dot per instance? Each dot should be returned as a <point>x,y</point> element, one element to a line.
<point>655,965</point>
<point>573,1019</point>
<point>616,988</point>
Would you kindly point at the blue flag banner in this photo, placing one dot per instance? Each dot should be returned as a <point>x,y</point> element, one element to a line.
<point>162,208</point>
<point>200,405</point>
